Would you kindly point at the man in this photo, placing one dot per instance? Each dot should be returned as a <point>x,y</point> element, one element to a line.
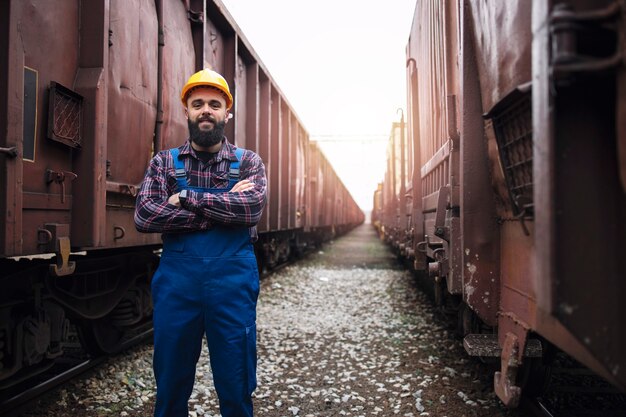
<point>206,198</point>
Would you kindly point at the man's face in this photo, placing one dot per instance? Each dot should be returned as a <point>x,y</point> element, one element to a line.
<point>206,116</point>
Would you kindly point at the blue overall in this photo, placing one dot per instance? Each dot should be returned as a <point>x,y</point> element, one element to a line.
<point>207,282</point>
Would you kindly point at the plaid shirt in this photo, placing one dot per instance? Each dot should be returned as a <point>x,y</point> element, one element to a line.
<point>200,210</point>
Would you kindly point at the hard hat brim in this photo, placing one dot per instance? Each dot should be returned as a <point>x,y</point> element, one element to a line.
<point>191,86</point>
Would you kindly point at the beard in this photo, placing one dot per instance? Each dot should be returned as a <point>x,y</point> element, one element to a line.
<point>206,138</point>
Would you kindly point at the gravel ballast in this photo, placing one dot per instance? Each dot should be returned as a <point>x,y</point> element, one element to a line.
<point>345,332</point>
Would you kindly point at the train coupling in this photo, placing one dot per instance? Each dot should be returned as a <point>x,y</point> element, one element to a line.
<point>486,345</point>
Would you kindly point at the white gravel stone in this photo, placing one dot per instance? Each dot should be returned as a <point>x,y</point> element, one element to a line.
<point>331,341</point>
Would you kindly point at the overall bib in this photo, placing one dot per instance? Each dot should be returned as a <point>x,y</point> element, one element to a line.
<point>207,282</point>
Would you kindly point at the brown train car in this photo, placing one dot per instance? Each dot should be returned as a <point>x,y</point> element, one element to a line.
<point>89,92</point>
<point>390,205</point>
<point>517,212</point>
<point>377,208</point>
<point>333,211</point>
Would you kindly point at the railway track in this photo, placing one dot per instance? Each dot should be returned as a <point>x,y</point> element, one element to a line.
<point>575,391</point>
<point>16,399</point>
<point>541,408</point>
<point>21,395</point>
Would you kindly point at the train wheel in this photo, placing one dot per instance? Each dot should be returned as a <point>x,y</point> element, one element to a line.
<point>467,321</point>
<point>122,326</point>
<point>100,337</point>
<point>535,374</point>
<point>451,306</point>
<point>439,289</point>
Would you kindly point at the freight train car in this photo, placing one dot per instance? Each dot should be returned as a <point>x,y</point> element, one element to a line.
<point>89,92</point>
<point>512,199</point>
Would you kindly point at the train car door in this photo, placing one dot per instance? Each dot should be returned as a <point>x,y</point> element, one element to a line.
<point>41,125</point>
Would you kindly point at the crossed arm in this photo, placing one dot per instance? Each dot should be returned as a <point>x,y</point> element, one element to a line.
<point>157,210</point>
<point>240,187</point>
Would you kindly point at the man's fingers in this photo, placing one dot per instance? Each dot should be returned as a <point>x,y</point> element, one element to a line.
<point>243,185</point>
<point>174,200</point>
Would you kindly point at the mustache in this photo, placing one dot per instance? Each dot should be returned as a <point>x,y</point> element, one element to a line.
<point>207,118</point>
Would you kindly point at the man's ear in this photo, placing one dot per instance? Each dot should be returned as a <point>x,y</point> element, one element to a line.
<point>228,117</point>
<point>186,113</point>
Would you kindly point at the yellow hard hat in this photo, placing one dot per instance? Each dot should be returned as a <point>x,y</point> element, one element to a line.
<point>208,78</point>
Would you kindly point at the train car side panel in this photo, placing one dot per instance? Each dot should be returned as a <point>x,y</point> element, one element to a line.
<point>299,177</point>
<point>245,106</point>
<point>131,113</point>
<point>132,91</point>
<point>265,143</point>
<point>273,175</point>
<point>433,59</point>
<point>315,183</point>
<point>285,165</point>
<point>178,64</point>
<point>11,121</point>
<point>481,241</point>
<point>497,26</point>
<point>45,162</point>
<point>582,222</point>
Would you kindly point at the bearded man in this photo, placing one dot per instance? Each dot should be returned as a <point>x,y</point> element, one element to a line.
<point>206,198</point>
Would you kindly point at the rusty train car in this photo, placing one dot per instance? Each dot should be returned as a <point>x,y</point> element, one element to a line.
<point>506,187</point>
<point>88,94</point>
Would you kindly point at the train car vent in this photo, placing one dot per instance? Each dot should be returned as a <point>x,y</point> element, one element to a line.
<point>65,109</point>
<point>512,123</point>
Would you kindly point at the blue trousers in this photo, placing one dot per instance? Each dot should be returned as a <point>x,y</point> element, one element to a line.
<point>207,283</point>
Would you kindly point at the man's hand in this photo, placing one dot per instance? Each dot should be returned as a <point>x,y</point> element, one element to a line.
<point>174,200</point>
<point>241,186</point>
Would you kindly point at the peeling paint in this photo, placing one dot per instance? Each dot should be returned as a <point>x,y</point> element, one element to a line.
<point>567,309</point>
<point>467,251</point>
<point>469,290</point>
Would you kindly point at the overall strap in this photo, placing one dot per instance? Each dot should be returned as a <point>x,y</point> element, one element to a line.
<point>181,173</point>
<point>179,167</point>
<point>233,175</point>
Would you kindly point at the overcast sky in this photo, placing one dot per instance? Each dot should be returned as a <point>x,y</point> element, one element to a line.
<point>341,65</point>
